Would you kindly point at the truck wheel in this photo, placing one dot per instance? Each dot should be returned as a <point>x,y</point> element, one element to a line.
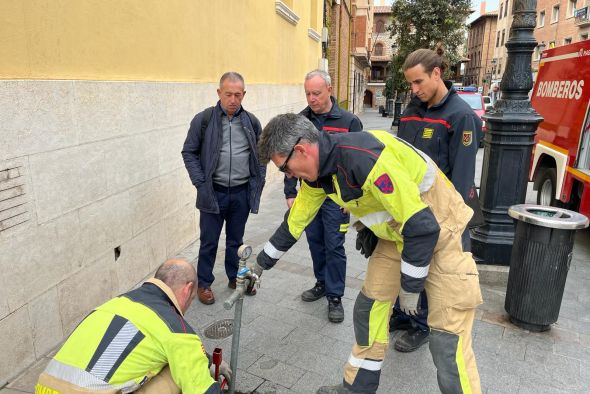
<point>546,188</point>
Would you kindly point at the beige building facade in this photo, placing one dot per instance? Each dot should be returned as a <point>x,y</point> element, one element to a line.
<point>480,51</point>
<point>96,101</point>
<point>503,24</point>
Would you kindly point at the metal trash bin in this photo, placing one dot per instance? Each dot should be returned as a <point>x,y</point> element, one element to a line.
<point>540,260</point>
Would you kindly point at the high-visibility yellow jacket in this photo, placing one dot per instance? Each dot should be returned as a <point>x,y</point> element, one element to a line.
<point>131,338</point>
<point>379,178</point>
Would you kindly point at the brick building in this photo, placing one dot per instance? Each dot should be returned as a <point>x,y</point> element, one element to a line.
<point>480,51</point>
<point>360,66</point>
<point>381,53</point>
<point>560,22</point>
<point>339,21</point>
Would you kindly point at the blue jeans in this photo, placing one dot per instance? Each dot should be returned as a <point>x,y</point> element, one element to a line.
<point>233,210</point>
<point>325,236</point>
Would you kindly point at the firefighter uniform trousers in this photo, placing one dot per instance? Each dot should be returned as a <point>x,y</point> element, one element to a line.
<point>453,292</point>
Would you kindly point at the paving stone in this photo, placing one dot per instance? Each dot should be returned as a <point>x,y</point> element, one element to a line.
<point>246,382</point>
<point>270,388</point>
<point>276,371</point>
<point>312,381</point>
<point>7,390</point>
<point>488,330</point>
<point>278,348</point>
<point>573,350</point>
<point>271,327</point>
<point>26,382</point>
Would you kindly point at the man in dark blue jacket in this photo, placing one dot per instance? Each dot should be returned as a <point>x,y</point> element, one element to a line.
<point>441,124</point>
<point>325,235</point>
<point>220,155</point>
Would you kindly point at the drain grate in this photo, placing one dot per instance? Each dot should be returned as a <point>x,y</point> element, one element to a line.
<point>220,329</point>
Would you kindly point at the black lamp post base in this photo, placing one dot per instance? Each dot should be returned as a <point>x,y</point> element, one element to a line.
<point>491,249</point>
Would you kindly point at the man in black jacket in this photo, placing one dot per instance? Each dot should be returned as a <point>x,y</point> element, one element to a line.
<point>325,234</point>
<point>220,155</point>
<point>441,124</point>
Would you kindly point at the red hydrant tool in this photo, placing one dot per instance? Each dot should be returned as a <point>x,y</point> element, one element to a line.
<point>217,358</point>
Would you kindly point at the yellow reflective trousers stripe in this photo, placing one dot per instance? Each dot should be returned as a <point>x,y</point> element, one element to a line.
<point>463,377</point>
<point>378,320</point>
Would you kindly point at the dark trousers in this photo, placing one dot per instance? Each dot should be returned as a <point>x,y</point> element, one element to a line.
<point>325,236</point>
<point>233,210</point>
<point>419,321</point>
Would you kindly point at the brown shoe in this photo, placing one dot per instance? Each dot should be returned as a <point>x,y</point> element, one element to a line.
<point>232,285</point>
<point>206,295</point>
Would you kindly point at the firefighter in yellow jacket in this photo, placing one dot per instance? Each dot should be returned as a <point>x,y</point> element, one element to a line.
<point>416,218</point>
<point>137,342</point>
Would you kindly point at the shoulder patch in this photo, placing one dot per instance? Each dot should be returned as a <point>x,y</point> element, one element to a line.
<point>384,184</point>
<point>467,137</point>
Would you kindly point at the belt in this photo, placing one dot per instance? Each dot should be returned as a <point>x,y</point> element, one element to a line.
<point>230,189</point>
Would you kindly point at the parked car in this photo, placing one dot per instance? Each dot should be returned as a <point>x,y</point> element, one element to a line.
<point>475,101</point>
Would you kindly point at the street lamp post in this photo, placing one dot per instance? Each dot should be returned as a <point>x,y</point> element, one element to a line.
<point>511,127</point>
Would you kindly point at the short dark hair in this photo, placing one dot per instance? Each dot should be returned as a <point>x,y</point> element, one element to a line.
<point>428,58</point>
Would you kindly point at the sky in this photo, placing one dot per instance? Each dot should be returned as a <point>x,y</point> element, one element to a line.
<point>491,5</point>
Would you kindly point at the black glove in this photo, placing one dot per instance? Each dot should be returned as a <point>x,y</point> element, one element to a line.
<point>366,242</point>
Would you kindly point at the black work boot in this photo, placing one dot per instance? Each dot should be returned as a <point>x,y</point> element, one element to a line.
<point>399,322</point>
<point>411,340</point>
<point>335,310</point>
<point>315,293</point>
<point>337,389</point>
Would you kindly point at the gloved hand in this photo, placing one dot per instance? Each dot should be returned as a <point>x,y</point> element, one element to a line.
<point>408,302</point>
<point>366,240</point>
<point>224,370</point>
<point>256,270</point>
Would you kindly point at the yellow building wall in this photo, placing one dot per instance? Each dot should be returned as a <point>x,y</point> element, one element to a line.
<point>156,40</point>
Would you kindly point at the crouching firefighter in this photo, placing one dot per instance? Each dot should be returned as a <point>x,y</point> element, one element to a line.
<point>413,218</point>
<point>138,342</point>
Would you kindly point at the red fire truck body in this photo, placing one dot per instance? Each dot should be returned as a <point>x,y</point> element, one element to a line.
<point>560,165</point>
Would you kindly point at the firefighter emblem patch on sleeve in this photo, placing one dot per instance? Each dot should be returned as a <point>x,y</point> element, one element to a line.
<point>467,137</point>
<point>384,184</point>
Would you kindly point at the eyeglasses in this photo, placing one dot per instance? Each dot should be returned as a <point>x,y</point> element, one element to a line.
<point>283,167</point>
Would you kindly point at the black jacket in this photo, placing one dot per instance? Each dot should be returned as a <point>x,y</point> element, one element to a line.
<point>448,132</point>
<point>336,121</point>
<point>201,155</point>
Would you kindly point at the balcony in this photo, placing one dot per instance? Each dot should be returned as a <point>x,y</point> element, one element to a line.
<point>582,17</point>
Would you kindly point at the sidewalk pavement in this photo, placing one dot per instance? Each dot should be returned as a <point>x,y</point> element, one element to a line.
<point>288,346</point>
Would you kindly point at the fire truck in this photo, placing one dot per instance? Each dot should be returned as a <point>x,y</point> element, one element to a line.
<point>560,164</point>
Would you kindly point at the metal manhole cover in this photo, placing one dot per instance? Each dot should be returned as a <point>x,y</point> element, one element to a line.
<point>220,329</point>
